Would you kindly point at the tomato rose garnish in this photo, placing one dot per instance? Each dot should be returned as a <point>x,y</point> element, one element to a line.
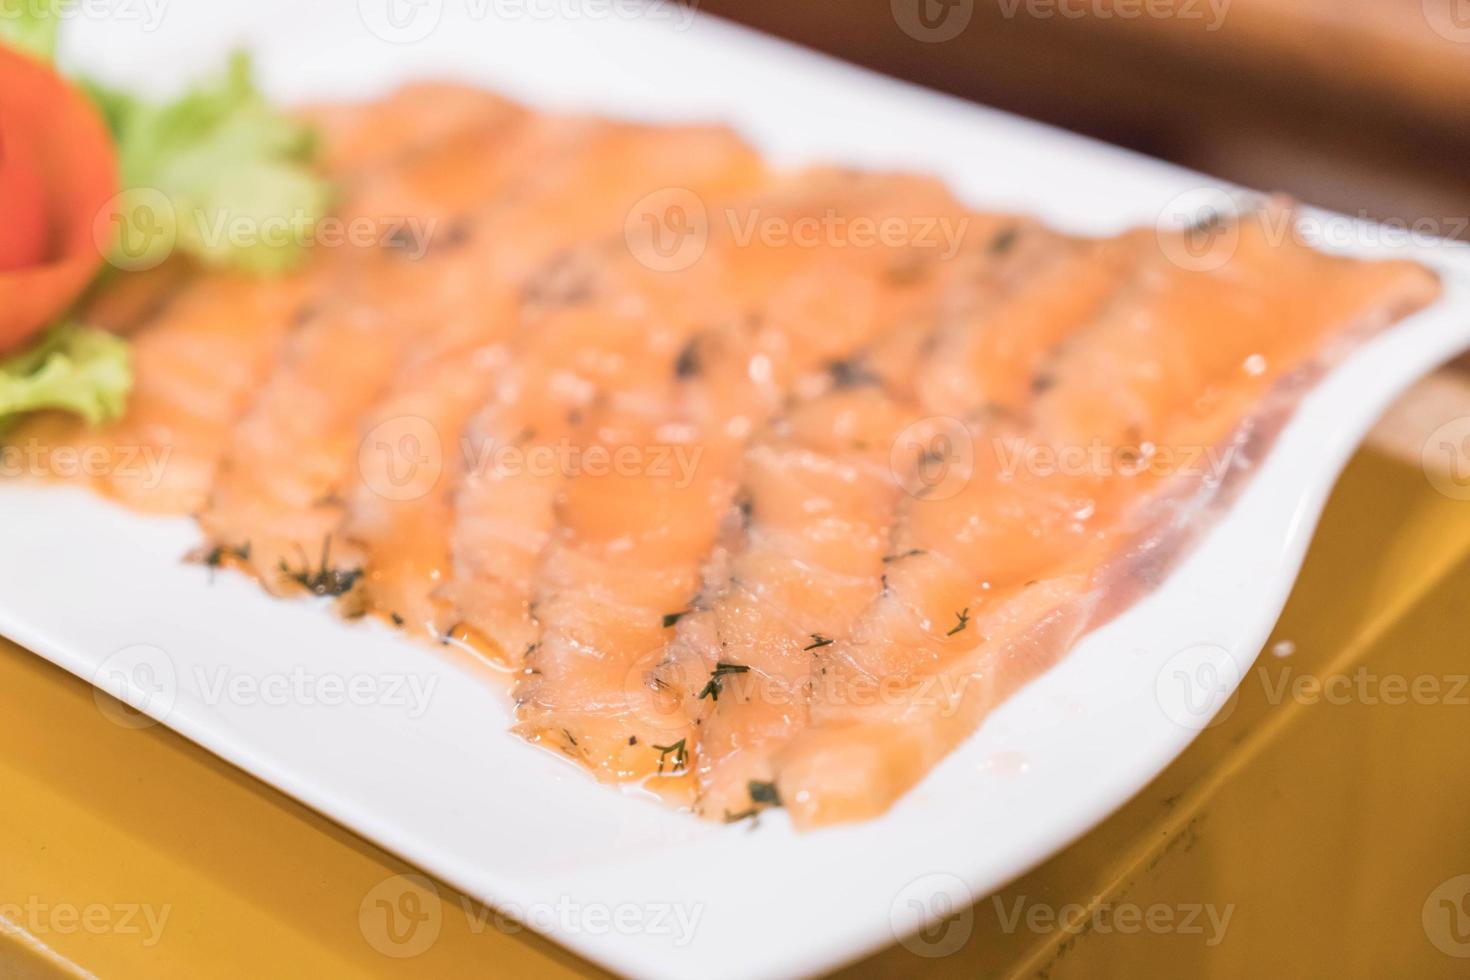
<point>23,236</point>
<point>58,173</point>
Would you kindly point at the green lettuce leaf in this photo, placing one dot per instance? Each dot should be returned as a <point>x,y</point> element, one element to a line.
<point>217,173</point>
<point>73,368</point>
<point>31,25</point>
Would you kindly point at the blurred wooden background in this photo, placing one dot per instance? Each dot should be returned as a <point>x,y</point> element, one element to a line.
<point>1350,104</point>
<point>1362,106</point>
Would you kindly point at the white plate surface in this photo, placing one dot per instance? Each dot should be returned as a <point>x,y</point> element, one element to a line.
<point>418,759</point>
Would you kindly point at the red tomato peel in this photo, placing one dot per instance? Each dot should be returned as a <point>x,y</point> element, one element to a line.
<point>58,171</point>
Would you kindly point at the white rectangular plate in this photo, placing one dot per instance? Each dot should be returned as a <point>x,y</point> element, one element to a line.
<point>410,748</point>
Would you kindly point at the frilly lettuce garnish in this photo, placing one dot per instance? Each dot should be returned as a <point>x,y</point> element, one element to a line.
<point>73,368</point>
<point>218,174</point>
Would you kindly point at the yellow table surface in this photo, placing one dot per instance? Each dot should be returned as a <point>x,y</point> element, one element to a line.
<point>1325,835</point>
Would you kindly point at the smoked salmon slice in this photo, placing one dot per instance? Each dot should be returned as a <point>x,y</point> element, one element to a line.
<point>1006,574</point>
<point>823,490</point>
<point>278,495</point>
<point>405,535</point>
<point>627,555</point>
<point>504,516</point>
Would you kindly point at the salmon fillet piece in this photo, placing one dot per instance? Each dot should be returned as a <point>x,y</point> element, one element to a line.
<point>502,517</point>
<point>524,445</point>
<point>629,548</point>
<point>1012,569</point>
<point>823,490</point>
<point>278,494</point>
<point>403,532</point>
